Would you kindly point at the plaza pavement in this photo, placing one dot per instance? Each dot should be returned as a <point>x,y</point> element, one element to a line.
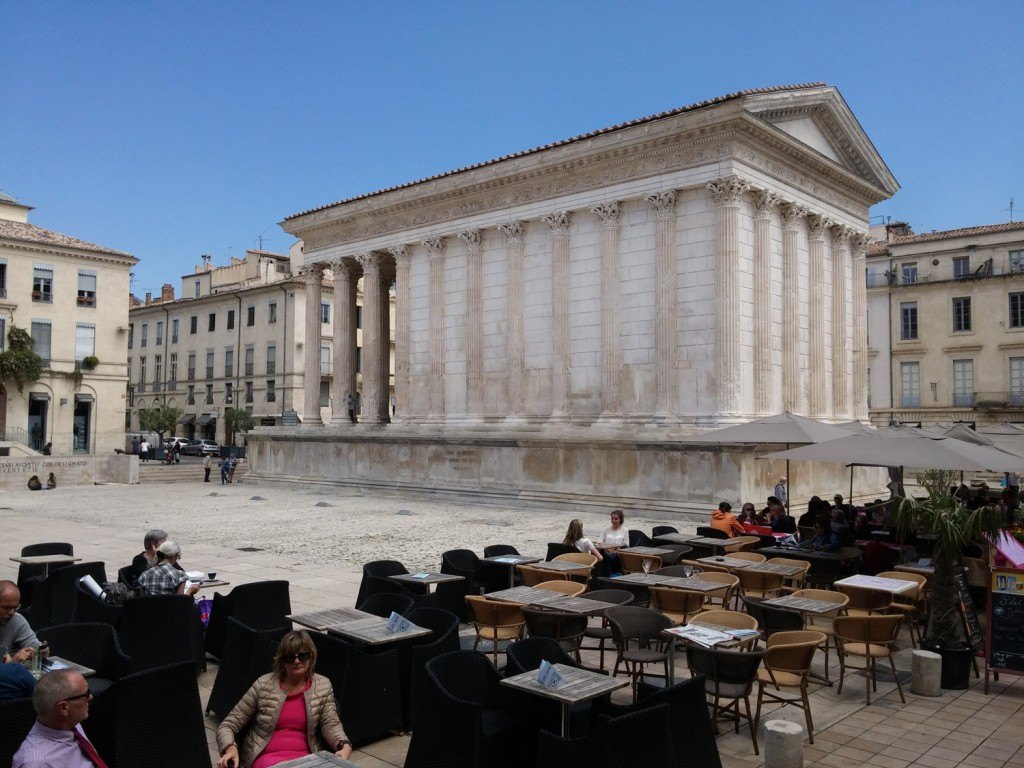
<point>961,728</point>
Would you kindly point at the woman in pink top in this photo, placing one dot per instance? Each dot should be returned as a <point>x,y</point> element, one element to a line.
<point>291,712</point>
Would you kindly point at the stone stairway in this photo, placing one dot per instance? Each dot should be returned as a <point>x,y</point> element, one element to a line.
<point>190,470</point>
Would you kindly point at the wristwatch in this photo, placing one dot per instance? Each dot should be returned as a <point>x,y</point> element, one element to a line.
<point>341,744</point>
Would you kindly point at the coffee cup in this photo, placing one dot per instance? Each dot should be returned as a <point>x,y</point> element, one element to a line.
<point>212,575</point>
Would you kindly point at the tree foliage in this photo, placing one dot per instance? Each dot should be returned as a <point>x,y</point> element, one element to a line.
<point>19,362</point>
<point>159,419</point>
<point>237,420</point>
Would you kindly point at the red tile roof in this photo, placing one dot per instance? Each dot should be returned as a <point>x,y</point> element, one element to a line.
<point>30,233</point>
<point>949,234</point>
<point>581,137</point>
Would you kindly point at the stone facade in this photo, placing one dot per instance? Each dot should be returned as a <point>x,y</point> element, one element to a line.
<point>686,270</point>
<point>70,295</point>
<point>946,325</point>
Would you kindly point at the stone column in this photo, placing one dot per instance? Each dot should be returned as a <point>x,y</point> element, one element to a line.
<point>435,253</point>
<point>859,244</point>
<point>765,203</point>
<point>817,290</point>
<point>611,340</point>
<point>384,345</point>
<point>311,275</point>
<point>726,194</point>
<point>666,304</point>
<point>370,405</point>
<point>515,366</point>
<point>561,346</point>
<point>344,352</point>
<point>474,322</point>
<point>792,390</point>
<point>840,316</point>
<point>400,253</point>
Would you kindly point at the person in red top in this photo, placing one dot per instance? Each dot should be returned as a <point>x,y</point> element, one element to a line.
<point>724,520</point>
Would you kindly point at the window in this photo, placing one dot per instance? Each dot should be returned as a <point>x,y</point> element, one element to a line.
<point>3,278</point>
<point>142,375</point>
<point>172,371</point>
<point>1017,381</point>
<point>961,267</point>
<point>3,334</point>
<point>85,341</point>
<point>174,331</point>
<point>231,319</point>
<point>325,359</point>
<point>963,383</point>
<point>41,336</point>
<point>962,314</point>
<point>248,391</point>
<point>193,324</point>
<point>209,394</point>
<point>229,363</point>
<point>1016,262</point>
<point>908,320</point>
<point>212,323</point>
<point>1017,310</point>
<point>191,366</point>
<point>910,385</point>
<point>359,359</point>
<point>228,394</point>
<point>190,395</point>
<point>209,363</point>
<point>250,316</point>
<point>86,288</point>
<point>249,356</point>
<point>325,312</point>
<point>129,370</point>
<point>198,289</point>
<point>42,283</point>
<point>359,316</point>
<point>271,391</point>
<point>131,335</point>
<point>272,312</point>
<point>160,333</point>
<point>271,359</point>
<point>145,334</point>
<point>909,274</point>
<point>158,371</point>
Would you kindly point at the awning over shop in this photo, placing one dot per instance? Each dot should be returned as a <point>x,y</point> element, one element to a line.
<point>205,419</point>
<point>38,396</point>
<point>188,418</point>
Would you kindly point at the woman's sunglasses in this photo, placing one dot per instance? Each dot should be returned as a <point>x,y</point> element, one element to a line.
<point>291,658</point>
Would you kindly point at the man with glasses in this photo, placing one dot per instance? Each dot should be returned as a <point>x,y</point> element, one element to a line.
<point>17,640</point>
<point>61,700</point>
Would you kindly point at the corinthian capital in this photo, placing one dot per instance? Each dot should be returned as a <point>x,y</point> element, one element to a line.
<point>370,262</point>
<point>607,212</point>
<point>312,273</point>
<point>400,253</point>
<point>765,202</point>
<point>514,231</point>
<point>341,266</point>
<point>471,237</point>
<point>816,226</point>
<point>859,241</point>
<point>559,222</point>
<point>841,235</point>
<point>664,203</point>
<point>435,246</point>
<point>791,214</point>
<point>728,191</point>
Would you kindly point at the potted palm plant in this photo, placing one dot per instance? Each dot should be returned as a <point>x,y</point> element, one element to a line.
<point>944,517</point>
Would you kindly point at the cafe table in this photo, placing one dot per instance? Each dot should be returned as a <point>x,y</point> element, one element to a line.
<point>321,620</point>
<point>545,598</point>
<point>648,551</point>
<point>211,583</point>
<point>922,570</point>
<point>896,586</point>
<point>57,663</point>
<point>672,634</point>
<point>674,538</point>
<point>577,685</point>
<point>46,561</point>
<point>323,759</point>
<point>562,566</point>
<point>374,631</point>
<point>510,562</point>
<point>692,583</point>
<point>718,546</point>
<point>806,605</point>
<point>800,553</point>
<point>735,564</point>
<point>429,578</point>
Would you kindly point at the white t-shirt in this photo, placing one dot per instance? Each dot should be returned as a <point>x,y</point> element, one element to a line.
<point>585,545</point>
<point>613,538</point>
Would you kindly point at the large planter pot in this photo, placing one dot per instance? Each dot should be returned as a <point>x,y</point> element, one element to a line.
<point>956,666</point>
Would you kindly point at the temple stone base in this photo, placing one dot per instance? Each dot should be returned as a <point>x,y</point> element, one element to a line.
<point>78,469</point>
<point>598,470</point>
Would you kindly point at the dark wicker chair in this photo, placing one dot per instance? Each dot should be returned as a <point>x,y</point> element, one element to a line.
<point>639,539</point>
<point>496,550</point>
<point>487,577</point>
<point>467,719</point>
<point>711,533</point>
<point>729,678</point>
<point>588,751</point>
<point>90,609</point>
<point>636,738</point>
<point>526,655</point>
<point>260,605</point>
<point>16,719</point>
<point>91,645</point>
<point>451,595</point>
<point>661,530</point>
<point>414,656</point>
<point>602,632</point>
<point>64,588</point>
<point>126,576</point>
<point>158,630</point>
<point>248,653</point>
<point>641,594</point>
<point>384,603</point>
<point>636,633</point>
<point>557,548</point>
<point>30,575</point>
<point>375,579</point>
<point>565,628</point>
<point>367,686</point>
<point>771,619</point>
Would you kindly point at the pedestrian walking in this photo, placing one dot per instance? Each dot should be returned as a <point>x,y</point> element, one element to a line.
<point>350,404</point>
<point>207,464</point>
<point>144,449</point>
<point>780,492</point>
<point>225,467</point>
<point>231,469</point>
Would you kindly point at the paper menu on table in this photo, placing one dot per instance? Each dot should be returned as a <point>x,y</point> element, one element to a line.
<point>548,676</point>
<point>701,635</point>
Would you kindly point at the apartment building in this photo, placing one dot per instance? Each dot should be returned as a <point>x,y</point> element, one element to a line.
<point>233,338</point>
<point>946,325</point>
<point>70,295</point>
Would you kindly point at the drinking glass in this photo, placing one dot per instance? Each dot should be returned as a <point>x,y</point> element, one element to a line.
<point>646,565</point>
<point>688,571</point>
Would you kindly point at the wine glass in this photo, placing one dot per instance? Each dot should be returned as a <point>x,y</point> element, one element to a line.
<point>688,571</point>
<point>646,564</point>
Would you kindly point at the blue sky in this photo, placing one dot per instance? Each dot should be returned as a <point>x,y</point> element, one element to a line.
<point>175,129</point>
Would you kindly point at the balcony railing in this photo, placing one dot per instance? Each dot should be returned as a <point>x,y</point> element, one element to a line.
<point>156,386</point>
<point>209,398</point>
<point>229,371</point>
<point>910,401</point>
<point>271,368</point>
<point>172,384</point>
<point>248,369</point>
<point>271,397</point>
<point>141,387</point>
<point>325,369</point>
<point>209,371</point>
<point>945,272</point>
<point>190,400</point>
<point>248,396</point>
<point>964,399</point>
<point>191,374</point>
<point>994,400</point>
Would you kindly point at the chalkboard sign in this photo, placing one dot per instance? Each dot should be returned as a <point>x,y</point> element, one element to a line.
<point>1006,621</point>
<point>969,613</point>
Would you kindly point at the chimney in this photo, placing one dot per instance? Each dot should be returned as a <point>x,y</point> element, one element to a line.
<point>167,292</point>
<point>149,297</point>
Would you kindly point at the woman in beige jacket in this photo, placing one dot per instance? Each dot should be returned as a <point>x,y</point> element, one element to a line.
<point>286,709</point>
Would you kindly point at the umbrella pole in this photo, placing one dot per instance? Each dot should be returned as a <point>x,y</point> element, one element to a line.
<point>850,498</point>
<point>789,483</point>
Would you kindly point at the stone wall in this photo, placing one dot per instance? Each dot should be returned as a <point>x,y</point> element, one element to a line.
<point>68,470</point>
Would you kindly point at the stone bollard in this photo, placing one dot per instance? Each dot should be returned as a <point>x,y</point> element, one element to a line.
<point>783,744</point>
<point>926,673</point>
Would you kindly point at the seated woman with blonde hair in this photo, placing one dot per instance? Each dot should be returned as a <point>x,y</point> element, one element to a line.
<point>574,538</point>
<point>291,711</point>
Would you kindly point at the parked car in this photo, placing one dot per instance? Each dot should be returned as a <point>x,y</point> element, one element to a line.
<point>170,442</point>
<point>201,448</point>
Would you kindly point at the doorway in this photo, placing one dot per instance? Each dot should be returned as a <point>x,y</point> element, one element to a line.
<point>81,434</point>
<point>38,407</point>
